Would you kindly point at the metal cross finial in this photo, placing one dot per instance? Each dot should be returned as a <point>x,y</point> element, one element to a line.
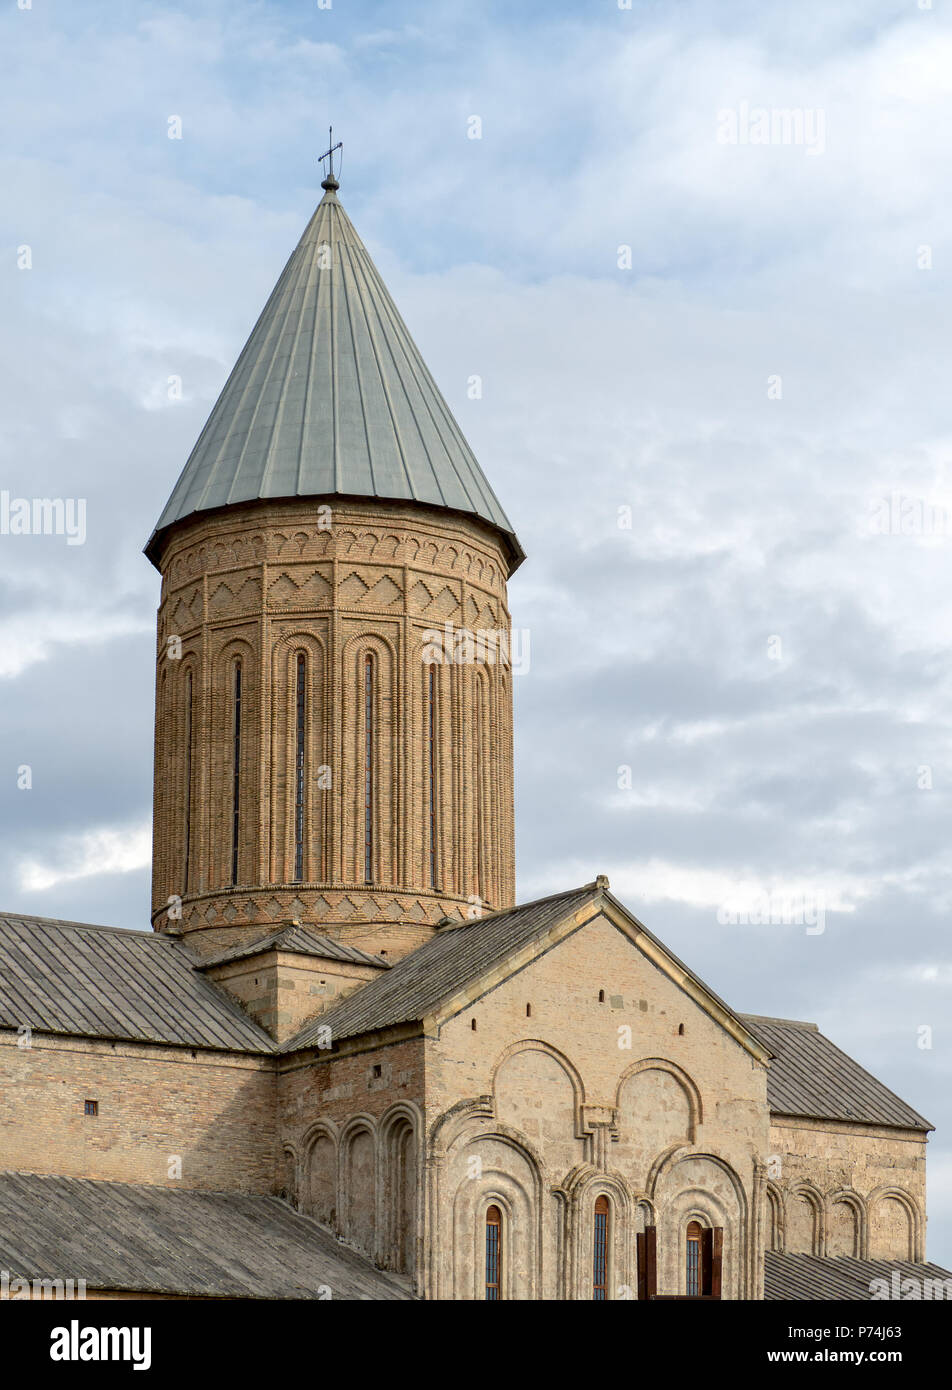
<point>330,181</point>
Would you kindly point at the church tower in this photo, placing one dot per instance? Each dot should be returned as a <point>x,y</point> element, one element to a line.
<point>331,744</point>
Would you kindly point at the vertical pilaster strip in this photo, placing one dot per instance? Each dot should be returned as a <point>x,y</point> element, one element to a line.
<point>261,822</point>
<point>755,1263</point>
<point>406,745</point>
<point>432,1273</point>
<point>463,743</point>
<point>337,735</point>
<point>204,733</point>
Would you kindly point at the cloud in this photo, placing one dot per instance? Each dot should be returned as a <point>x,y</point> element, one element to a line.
<point>28,638</point>
<point>659,881</point>
<point>819,762</point>
<point>102,851</point>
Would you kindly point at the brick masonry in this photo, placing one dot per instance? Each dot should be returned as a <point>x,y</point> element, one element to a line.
<point>214,1112</point>
<point>260,584</point>
<point>588,1066</point>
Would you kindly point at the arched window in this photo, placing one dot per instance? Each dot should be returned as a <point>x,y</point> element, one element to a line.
<point>480,713</point>
<point>694,1259</point>
<point>493,1254</point>
<point>431,770</point>
<point>705,1251</point>
<point>600,1267</point>
<point>299,765</point>
<point>187,830</point>
<point>369,790</point>
<point>236,774</point>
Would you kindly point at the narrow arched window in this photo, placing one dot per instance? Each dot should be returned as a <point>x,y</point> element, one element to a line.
<point>369,789</point>
<point>694,1273</point>
<point>187,829</point>
<point>600,1265</point>
<point>493,1254</point>
<point>480,714</point>
<point>431,770</point>
<point>236,774</point>
<point>300,725</point>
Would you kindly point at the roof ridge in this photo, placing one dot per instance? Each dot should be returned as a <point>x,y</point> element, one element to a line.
<point>422,992</point>
<point>787,1022</point>
<point>435,971</point>
<point>516,907</point>
<point>282,938</point>
<point>145,935</point>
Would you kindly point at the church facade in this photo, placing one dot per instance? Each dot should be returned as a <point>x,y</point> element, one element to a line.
<point>344,1062</point>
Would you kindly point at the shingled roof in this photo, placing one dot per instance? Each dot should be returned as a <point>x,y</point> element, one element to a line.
<point>461,954</point>
<point>128,1237</point>
<point>810,1076</point>
<point>331,397</point>
<point>815,1277</point>
<point>105,982</point>
<point>439,968</point>
<point>82,980</point>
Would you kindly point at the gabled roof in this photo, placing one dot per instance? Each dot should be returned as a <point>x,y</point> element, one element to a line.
<point>104,982</point>
<point>330,397</point>
<point>435,971</point>
<point>301,941</point>
<point>810,1076</point>
<point>459,956</point>
<point>838,1277</point>
<point>157,1240</point>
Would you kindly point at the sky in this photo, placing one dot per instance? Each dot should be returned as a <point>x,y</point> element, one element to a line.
<point>698,256</point>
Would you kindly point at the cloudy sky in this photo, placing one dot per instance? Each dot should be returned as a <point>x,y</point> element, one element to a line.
<point>713,347</point>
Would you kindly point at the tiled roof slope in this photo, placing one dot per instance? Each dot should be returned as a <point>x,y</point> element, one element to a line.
<point>104,982</point>
<point>810,1076</point>
<point>815,1277</point>
<point>159,1240</point>
<point>298,940</point>
<point>452,959</point>
<point>436,970</point>
<point>330,397</point>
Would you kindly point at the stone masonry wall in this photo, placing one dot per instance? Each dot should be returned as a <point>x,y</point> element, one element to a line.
<point>215,1112</point>
<point>352,1138</point>
<point>846,1189</point>
<point>539,1109</point>
<point>284,990</point>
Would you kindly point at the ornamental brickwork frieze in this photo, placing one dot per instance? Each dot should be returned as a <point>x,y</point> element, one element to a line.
<point>303,743</point>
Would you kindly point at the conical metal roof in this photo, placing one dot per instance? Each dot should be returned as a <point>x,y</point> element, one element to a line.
<point>330,397</point>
